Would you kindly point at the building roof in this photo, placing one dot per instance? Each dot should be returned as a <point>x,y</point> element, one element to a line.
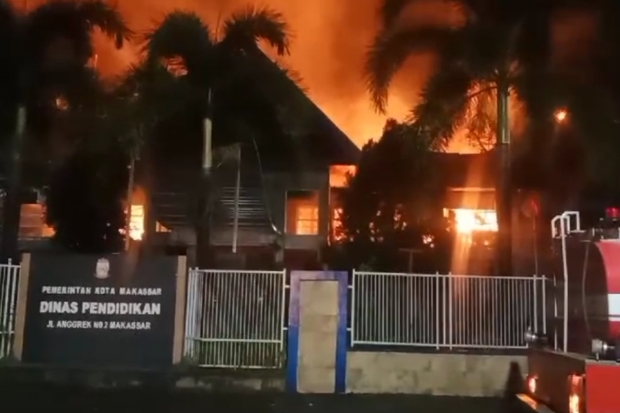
<point>312,128</point>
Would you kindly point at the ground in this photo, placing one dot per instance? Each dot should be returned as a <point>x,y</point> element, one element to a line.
<point>29,399</point>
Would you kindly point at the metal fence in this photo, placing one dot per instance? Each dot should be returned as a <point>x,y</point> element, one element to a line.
<point>235,318</point>
<point>9,275</point>
<point>445,311</point>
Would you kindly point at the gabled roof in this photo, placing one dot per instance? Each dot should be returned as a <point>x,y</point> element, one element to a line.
<point>313,129</point>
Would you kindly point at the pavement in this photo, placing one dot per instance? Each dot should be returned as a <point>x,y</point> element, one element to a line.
<point>29,399</point>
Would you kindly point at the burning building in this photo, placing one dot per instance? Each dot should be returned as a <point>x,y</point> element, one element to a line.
<point>272,207</point>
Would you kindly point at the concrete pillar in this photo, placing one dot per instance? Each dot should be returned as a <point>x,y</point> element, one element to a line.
<point>317,332</point>
<point>179,310</point>
<point>20,308</point>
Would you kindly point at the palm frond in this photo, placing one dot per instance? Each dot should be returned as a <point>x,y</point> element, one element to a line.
<point>540,93</point>
<point>180,33</point>
<point>443,106</point>
<point>146,95</point>
<point>388,53</point>
<point>245,27</point>
<point>8,21</point>
<point>390,10</point>
<point>9,49</point>
<point>482,118</point>
<point>74,20</point>
<point>107,18</point>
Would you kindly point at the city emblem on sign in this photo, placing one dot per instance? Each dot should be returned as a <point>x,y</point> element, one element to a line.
<point>102,270</point>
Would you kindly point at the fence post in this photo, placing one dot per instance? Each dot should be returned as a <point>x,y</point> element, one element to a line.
<point>437,310</point>
<point>536,302</point>
<point>283,322</point>
<point>353,310</point>
<point>450,329</point>
<point>190,314</point>
<point>179,310</point>
<point>555,314</point>
<point>20,308</point>
<point>544,304</point>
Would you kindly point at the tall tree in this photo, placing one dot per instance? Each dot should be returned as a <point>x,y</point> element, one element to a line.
<point>221,88</point>
<point>45,51</point>
<point>499,47</point>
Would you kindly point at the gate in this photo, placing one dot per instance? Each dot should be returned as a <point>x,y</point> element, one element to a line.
<point>9,274</point>
<point>235,319</point>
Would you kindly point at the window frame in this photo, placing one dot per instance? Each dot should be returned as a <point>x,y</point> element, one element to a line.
<point>316,222</point>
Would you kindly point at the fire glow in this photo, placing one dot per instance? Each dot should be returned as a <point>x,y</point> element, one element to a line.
<point>137,219</point>
<point>136,222</point>
<point>472,220</point>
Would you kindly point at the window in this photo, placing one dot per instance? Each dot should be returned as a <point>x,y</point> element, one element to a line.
<point>302,212</point>
<point>32,222</point>
<point>159,227</point>
<point>470,220</point>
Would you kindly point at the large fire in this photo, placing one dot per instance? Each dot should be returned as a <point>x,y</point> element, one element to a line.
<point>137,217</point>
<point>330,39</point>
<point>468,220</point>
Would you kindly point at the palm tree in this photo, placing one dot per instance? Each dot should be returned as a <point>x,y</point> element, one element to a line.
<point>210,63</point>
<point>501,48</point>
<point>45,51</point>
<point>144,96</point>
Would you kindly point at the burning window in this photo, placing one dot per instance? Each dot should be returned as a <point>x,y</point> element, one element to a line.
<point>136,219</point>
<point>302,212</point>
<point>136,222</point>
<point>338,175</point>
<point>337,232</point>
<point>32,222</point>
<point>61,103</point>
<point>470,220</point>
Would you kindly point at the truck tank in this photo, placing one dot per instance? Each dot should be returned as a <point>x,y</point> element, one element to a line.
<point>593,273</point>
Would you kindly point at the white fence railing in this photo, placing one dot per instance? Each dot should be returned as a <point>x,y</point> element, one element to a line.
<point>235,318</point>
<point>9,275</point>
<point>445,311</point>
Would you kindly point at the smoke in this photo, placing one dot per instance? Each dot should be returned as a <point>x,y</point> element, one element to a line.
<point>329,43</point>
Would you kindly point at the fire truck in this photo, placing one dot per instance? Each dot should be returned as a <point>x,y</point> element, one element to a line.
<point>576,367</point>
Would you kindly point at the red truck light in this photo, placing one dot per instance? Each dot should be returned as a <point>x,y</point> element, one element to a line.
<point>612,213</point>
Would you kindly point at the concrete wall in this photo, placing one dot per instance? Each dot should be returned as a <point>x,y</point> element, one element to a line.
<point>451,374</point>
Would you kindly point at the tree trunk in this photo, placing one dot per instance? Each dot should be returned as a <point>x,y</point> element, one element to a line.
<point>503,189</point>
<point>203,227</point>
<point>11,209</point>
<point>130,185</point>
<point>147,181</point>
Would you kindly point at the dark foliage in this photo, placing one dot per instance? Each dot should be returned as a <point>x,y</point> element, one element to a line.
<point>511,45</point>
<point>394,202</point>
<point>84,202</point>
<point>45,53</point>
